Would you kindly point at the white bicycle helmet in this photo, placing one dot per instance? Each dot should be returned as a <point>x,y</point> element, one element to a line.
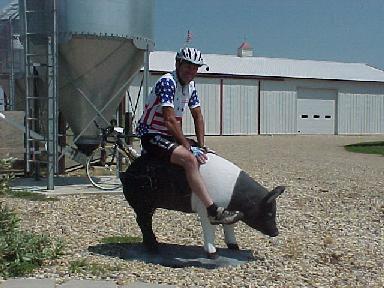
<point>191,55</point>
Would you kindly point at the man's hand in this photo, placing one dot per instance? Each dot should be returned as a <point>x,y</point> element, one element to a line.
<point>206,149</point>
<point>199,154</point>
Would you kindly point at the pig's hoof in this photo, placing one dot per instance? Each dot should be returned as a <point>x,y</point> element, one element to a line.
<point>233,246</point>
<point>212,255</point>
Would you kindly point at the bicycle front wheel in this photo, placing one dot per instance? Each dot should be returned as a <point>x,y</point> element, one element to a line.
<point>102,169</point>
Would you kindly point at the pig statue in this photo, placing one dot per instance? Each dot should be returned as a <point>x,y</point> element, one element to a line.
<point>149,184</point>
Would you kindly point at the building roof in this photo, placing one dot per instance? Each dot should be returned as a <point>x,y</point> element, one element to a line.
<point>273,67</point>
<point>245,45</point>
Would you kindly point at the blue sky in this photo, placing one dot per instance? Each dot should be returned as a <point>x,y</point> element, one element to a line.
<point>334,30</point>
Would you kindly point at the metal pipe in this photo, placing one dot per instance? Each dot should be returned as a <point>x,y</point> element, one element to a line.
<point>52,103</point>
<point>128,118</point>
<point>12,76</point>
<point>51,115</point>
<point>146,74</point>
<point>55,91</point>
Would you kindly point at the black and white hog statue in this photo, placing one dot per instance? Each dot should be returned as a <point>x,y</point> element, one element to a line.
<point>149,184</point>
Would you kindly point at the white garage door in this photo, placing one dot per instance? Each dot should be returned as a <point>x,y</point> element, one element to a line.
<point>240,107</point>
<point>316,111</point>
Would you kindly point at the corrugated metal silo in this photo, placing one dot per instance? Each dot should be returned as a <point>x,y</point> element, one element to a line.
<point>101,47</point>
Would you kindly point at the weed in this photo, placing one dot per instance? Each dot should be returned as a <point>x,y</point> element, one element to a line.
<point>5,175</point>
<point>78,265</point>
<point>21,252</point>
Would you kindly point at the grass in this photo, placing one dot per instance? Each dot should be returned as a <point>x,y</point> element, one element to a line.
<point>82,265</point>
<point>31,196</point>
<point>367,147</point>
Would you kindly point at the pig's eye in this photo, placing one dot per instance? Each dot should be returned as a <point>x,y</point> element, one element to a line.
<point>270,215</point>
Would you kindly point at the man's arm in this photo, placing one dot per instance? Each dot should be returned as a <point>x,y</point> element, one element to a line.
<point>174,126</point>
<point>198,120</point>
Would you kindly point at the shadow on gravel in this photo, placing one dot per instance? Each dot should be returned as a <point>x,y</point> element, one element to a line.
<point>59,181</point>
<point>173,255</point>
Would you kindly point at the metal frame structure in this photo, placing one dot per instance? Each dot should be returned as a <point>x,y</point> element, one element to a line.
<point>47,66</point>
<point>32,100</point>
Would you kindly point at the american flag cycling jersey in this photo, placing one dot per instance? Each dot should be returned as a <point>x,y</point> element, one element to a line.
<point>167,92</point>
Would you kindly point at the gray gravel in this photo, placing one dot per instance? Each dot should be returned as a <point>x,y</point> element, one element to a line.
<point>330,220</point>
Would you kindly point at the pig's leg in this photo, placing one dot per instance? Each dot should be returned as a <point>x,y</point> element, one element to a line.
<point>208,232</point>
<point>144,219</point>
<point>230,237</point>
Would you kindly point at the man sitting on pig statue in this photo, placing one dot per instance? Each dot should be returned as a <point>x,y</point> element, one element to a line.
<point>175,174</point>
<point>161,134</point>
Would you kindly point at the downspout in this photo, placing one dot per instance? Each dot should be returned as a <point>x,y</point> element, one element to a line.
<point>146,74</point>
<point>221,106</point>
<point>258,107</point>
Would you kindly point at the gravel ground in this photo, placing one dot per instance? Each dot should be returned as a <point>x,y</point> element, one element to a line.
<point>330,221</point>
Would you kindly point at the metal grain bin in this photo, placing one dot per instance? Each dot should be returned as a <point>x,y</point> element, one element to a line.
<point>101,47</point>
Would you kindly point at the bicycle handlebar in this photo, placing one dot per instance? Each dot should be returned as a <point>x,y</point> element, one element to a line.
<point>107,131</point>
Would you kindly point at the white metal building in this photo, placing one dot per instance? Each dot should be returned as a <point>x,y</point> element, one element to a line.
<point>255,95</point>
<point>2,99</point>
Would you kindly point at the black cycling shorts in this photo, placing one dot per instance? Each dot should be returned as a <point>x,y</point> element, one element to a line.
<point>159,146</point>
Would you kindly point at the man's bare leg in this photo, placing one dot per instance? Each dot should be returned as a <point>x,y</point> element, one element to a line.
<point>216,215</point>
<point>181,156</point>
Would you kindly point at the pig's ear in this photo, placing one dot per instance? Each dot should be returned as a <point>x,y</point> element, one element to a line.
<point>274,194</point>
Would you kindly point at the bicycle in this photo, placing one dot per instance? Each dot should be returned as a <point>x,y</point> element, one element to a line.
<point>112,156</point>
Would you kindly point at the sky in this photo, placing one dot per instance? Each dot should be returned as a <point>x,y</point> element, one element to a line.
<point>331,30</point>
